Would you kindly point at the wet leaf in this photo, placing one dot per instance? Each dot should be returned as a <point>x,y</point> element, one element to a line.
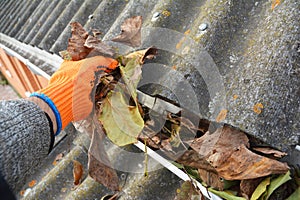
<point>276,183</point>
<point>76,47</point>
<point>98,47</point>
<point>188,191</point>
<point>295,195</point>
<point>260,189</point>
<point>122,123</point>
<point>98,162</point>
<point>268,150</point>
<point>228,195</point>
<point>222,115</point>
<point>77,172</point>
<point>131,32</point>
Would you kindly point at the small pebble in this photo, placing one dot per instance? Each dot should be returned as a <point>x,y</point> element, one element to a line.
<point>203,27</point>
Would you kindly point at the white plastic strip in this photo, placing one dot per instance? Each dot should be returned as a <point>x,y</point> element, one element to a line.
<point>26,62</point>
<point>164,162</point>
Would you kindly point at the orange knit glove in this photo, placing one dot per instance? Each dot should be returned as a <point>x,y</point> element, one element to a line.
<point>69,90</point>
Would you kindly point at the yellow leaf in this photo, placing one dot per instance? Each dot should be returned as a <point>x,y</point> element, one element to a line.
<point>260,189</point>
<point>235,96</point>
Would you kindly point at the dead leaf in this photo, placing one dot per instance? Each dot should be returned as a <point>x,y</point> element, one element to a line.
<point>257,108</point>
<point>142,55</point>
<point>222,115</point>
<point>166,13</point>
<point>98,162</point>
<point>77,172</point>
<point>248,186</point>
<point>32,183</point>
<point>188,191</point>
<point>131,32</point>
<point>226,152</point>
<point>211,178</point>
<point>58,158</point>
<point>268,151</point>
<point>76,47</point>
<point>98,47</point>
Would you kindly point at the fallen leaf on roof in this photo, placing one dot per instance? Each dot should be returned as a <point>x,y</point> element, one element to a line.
<point>270,151</point>
<point>277,182</point>
<point>235,96</point>
<point>248,186</point>
<point>99,165</point>
<point>166,13</point>
<point>144,54</point>
<point>98,47</point>
<point>188,191</point>
<point>261,189</point>
<point>76,47</point>
<point>77,172</point>
<point>130,32</point>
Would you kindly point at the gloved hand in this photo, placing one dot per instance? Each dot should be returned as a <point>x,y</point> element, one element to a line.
<point>69,90</point>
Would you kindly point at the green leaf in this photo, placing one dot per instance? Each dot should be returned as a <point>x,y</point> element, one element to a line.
<point>122,123</point>
<point>277,182</point>
<point>226,194</point>
<point>260,189</point>
<point>295,195</point>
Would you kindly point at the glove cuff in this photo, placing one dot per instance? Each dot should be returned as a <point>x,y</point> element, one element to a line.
<point>59,98</point>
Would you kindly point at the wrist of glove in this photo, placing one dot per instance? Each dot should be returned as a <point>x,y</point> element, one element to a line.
<point>69,89</point>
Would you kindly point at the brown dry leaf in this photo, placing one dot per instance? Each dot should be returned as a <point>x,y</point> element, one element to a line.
<point>226,151</point>
<point>144,54</point>
<point>222,115</point>
<point>76,47</point>
<point>77,172</point>
<point>131,32</point>
<point>188,191</point>
<point>248,186</point>
<point>98,163</point>
<point>268,151</point>
<point>211,178</point>
<point>98,47</point>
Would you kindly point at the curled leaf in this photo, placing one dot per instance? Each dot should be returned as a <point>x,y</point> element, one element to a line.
<point>131,32</point>
<point>77,172</point>
<point>76,47</point>
<point>270,151</point>
<point>142,55</point>
<point>98,47</point>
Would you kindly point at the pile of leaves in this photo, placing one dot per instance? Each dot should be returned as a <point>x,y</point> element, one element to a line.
<point>221,158</point>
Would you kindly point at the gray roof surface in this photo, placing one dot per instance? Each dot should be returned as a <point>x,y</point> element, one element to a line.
<point>236,54</point>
